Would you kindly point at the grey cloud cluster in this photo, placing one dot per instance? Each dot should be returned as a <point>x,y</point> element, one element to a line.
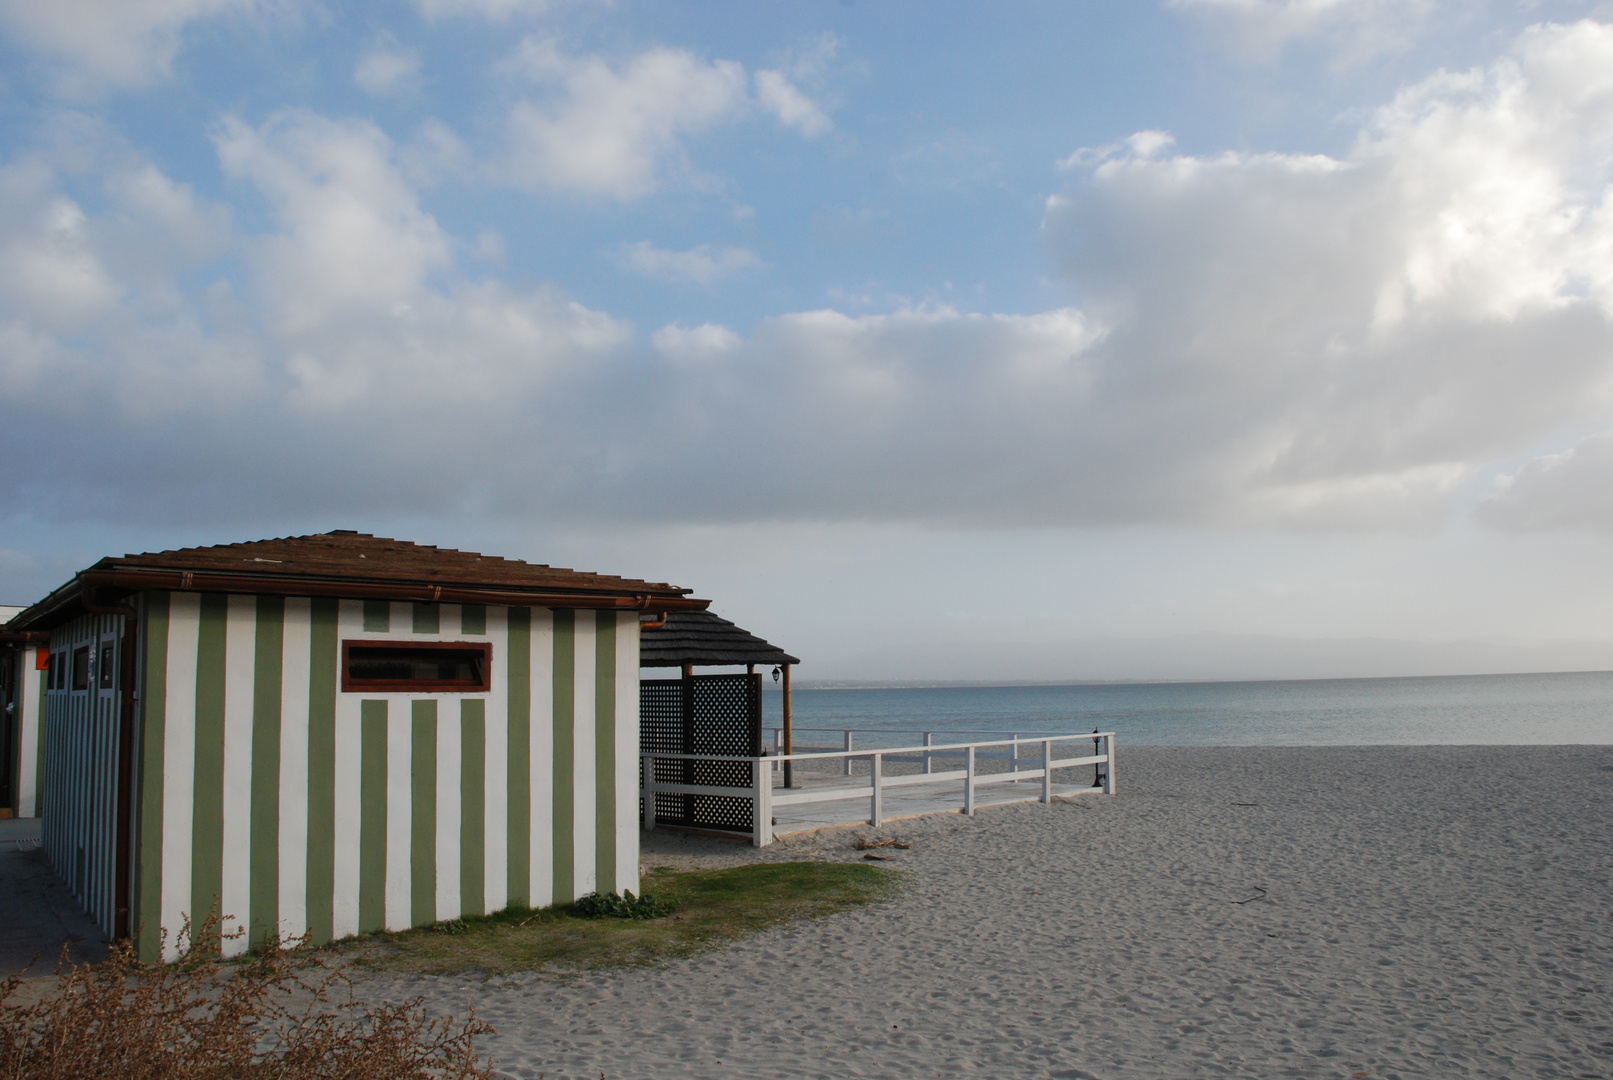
<point>1269,339</point>
<point>1568,490</point>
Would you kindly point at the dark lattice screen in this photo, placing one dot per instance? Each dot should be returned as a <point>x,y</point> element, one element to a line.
<point>661,728</point>
<point>702,714</point>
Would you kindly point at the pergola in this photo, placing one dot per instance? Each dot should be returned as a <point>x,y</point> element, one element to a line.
<point>690,639</point>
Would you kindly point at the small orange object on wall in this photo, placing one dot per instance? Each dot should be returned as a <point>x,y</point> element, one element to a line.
<point>42,659</point>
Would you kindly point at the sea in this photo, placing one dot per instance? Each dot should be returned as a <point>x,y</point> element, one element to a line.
<point>1558,708</point>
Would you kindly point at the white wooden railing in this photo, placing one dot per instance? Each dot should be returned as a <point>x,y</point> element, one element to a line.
<point>764,799</point>
<point>848,736</point>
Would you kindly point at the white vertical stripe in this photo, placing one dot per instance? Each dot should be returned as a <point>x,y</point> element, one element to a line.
<point>448,790</point>
<point>235,886</point>
<point>583,829</point>
<point>348,762</point>
<point>627,832</point>
<point>29,683</point>
<point>179,766</point>
<point>496,830</point>
<point>541,887</point>
<point>399,792</point>
<point>294,677</point>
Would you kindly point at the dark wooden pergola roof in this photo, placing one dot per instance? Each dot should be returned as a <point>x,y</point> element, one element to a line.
<point>699,637</point>
<point>351,565</point>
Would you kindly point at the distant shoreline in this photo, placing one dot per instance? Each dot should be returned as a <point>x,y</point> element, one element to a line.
<point>1043,684</point>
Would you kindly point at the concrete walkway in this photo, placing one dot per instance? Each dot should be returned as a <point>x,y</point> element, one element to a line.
<point>38,914</point>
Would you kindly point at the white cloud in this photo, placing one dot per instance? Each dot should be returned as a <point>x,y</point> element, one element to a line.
<point>110,44</point>
<point>1354,29</point>
<point>619,130</point>
<point>702,265</point>
<point>366,355</point>
<point>387,68</point>
<point>487,9</point>
<point>798,89</point>
<point>351,229</point>
<point>616,131</point>
<point>1350,341</point>
<point>695,344</point>
<point>433,152</point>
<point>1569,490</point>
<point>1277,339</point>
<point>50,267</point>
<point>794,109</point>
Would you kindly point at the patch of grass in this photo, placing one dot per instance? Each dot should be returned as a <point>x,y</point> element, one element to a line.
<point>709,907</point>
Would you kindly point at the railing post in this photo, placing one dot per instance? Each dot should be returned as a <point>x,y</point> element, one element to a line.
<point>778,746</point>
<point>1109,773</point>
<point>848,750</point>
<point>969,781</point>
<point>1013,756</point>
<point>761,803</point>
<point>649,791</point>
<point>876,798</point>
<point>929,740</point>
<point>1047,770</point>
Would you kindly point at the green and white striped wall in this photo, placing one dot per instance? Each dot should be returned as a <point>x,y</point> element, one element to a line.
<point>297,807</point>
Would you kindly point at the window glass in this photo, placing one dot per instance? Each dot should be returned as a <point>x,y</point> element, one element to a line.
<point>108,664</point>
<point>434,667</point>
<point>81,668</point>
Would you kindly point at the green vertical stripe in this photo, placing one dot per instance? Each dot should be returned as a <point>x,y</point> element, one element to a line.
<point>519,681</point>
<point>152,742</point>
<point>377,616</point>
<point>423,813</point>
<point>372,817</point>
<point>207,828</point>
<point>565,754</point>
<point>605,750</point>
<point>473,619</point>
<point>427,617</point>
<point>472,806</point>
<point>265,853</point>
<point>322,661</point>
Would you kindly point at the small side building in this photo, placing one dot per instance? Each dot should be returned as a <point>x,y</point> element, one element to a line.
<point>23,662</point>
<point>707,714</point>
<point>336,734</point>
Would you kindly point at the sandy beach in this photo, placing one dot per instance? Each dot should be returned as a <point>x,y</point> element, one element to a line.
<point>1261,912</point>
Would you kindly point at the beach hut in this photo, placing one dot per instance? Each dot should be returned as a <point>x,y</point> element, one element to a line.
<point>336,734</point>
<point>24,659</point>
<point>707,714</point>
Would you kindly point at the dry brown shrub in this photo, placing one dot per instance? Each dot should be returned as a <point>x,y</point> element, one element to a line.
<point>270,1016</point>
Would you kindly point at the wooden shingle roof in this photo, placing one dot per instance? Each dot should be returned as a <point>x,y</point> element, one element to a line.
<point>352,565</point>
<point>344,555</point>
<point>700,637</point>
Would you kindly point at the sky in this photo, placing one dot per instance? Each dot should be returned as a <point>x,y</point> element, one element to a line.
<point>1023,341</point>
